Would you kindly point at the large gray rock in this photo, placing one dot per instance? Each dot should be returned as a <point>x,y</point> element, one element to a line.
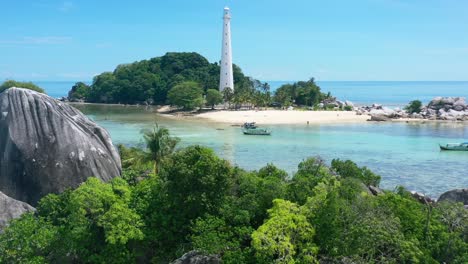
<point>47,146</point>
<point>11,209</point>
<point>379,118</point>
<point>194,257</point>
<point>457,195</point>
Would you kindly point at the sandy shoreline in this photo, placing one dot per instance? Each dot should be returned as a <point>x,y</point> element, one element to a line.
<point>283,117</point>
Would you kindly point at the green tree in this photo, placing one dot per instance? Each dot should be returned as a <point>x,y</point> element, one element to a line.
<point>286,236</point>
<point>193,182</point>
<point>414,107</point>
<point>213,97</point>
<point>310,172</point>
<point>95,222</point>
<point>27,240</point>
<point>27,85</point>
<point>79,91</point>
<point>350,169</point>
<point>149,81</point>
<point>306,93</point>
<point>159,144</point>
<point>187,95</point>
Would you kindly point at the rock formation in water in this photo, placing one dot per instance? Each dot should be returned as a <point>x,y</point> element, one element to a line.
<point>11,209</point>
<point>457,195</point>
<point>47,146</point>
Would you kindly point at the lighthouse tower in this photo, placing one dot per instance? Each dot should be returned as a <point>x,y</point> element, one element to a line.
<point>226,79</point>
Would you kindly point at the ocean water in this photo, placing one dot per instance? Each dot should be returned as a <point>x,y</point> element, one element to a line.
<point>391,94</point>
<point>403,154</point>
<point>57,89</point>
<point>388,93</point>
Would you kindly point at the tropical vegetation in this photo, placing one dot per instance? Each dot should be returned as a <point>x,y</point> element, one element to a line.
<point>198,201</point>
<point>27,85</point>
<point>305,93</point>
<point>150,81</point>
<point>414,107</point>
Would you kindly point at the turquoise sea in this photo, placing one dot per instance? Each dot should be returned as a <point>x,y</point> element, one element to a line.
<point>403,153</point>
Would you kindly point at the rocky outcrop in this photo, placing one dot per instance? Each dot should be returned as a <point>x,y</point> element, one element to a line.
<point>457,195</point>
<point>379,118</point>
<point>332,102</point>
<point>440,108</point>
<point>375,190</point>
<point>11,209</point>
<point>47,146</point>
<point>422,198</point>
<point>195,257</point>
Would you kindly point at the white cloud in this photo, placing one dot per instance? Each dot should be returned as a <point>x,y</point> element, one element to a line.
<point>48,40</point>
<point>66,6</point>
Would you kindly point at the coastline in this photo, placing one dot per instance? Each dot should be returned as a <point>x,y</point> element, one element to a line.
<point>282,117</point>
<point>271,117</point>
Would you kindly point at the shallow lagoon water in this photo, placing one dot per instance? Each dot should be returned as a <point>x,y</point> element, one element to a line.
<point>403,154</point>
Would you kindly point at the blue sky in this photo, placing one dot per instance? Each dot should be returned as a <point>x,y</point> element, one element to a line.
<point>272,40</point>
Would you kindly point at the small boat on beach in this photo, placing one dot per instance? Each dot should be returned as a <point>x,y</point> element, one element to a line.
<point>455,146</point>
<point>252,129</point>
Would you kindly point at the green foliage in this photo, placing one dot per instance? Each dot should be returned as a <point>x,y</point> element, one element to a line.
<point>197,182</point>
<point>348,108</point>
<point>27,85</point>
<point>214,235</point>
<point>213,97</point>
<point>149,81</point>
<point>310,172</point>
<point>187,95</point>
<point>300,93</point>
<point>159,144</point>
<point>199,201</point>
<point>26,240</point>
<point>79,91</point>
<point>286,236</point>
<point>192,183</point>
<point>349,169</point>
<point>414,107</point>
<point>95,223</point>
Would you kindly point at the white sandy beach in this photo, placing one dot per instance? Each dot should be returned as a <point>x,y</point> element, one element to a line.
<point>284,117</point>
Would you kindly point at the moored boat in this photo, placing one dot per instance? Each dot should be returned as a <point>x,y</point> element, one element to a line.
<point>251,125</point>
<point>455,146</point>
<point>256,131</point>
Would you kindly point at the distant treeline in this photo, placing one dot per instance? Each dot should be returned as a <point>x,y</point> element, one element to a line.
<point>150,80</point>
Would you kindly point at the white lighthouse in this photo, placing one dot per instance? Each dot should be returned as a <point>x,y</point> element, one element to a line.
<point>226,79</point>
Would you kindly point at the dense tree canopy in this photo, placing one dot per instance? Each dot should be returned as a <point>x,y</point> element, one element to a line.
<point>199,201</point>
<point>79,91</point>
<point>300,93</point>
<point>187,95</point>
<point>27,85</point>
<point>149,81</point>
<point>213,97</point>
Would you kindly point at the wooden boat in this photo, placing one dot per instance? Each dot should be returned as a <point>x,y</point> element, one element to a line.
<point>455,146</point>
<point>256,131</point>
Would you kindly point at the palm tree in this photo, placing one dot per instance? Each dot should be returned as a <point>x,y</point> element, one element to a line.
<point>159,144</point>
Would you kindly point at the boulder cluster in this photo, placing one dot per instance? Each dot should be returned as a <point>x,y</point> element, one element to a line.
<point>333,103</point>
<point>440,108</point>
